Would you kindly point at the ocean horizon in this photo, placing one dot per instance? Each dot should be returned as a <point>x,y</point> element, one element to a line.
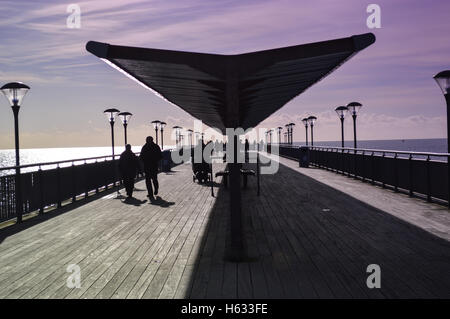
<point>42,155</point>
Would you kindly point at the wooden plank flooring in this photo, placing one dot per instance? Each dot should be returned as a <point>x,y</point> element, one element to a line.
<point>305,239</point>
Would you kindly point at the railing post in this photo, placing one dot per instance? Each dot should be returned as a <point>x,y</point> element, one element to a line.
<point>383,157</point>
<point>58,185</point>
<point>86,188</point>
<point>96,183</point>
<point>106,176</point>
<point>373,167</point>
<point>428,180</point>
<point>363,166</point>
<point>410,176</point>
<point>395,172</point>
<point>74,184</point>
<point>348,170</point>
<point>41,191</point>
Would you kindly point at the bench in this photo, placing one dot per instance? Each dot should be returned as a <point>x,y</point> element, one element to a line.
<point>225,175</point>
<point>244,173</point>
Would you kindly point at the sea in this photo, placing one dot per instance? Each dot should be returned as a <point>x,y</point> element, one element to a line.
<point>42,155</point>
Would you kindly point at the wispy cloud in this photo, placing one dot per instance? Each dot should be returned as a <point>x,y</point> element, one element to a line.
<point>392,78</point>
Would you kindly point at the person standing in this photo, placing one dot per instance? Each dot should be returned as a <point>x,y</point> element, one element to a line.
<point>150,156</point>
<point>246,149</point>
<point>128,166</point>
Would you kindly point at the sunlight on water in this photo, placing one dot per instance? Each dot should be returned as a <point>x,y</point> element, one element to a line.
<point>45,155</point>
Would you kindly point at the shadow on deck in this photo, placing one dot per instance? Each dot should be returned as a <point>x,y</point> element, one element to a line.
<point>309,240</point>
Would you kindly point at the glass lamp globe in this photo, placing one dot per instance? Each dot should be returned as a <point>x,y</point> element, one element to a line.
<point>341,111</point>
<point>125,117</point>
<point>354,107</point>
<point>312,120</point>
<point>15,92</point>
<point>111,114</point>
<point>443,80</point>
<point>305,121</point>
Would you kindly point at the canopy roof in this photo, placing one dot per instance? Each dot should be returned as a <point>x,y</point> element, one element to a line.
<point>231,90</point>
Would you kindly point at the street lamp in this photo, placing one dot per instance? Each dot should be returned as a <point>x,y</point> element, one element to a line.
<point>190,136</point>
<point>15,93</point>
<point>125,117</point>
<point>443,80</point>
<point>353,108</point>
<point>177,134</point>
<point>161,126</point>
<point>311,121</point>
<point>305,122</point>
<point>279,128</point>
<point>197,137</point>
<point>156,126</point>
<point>270,136</point>
<point>292,131</point>
<point>111,116</point>
<point>341,111</point>
<point>288,128</point>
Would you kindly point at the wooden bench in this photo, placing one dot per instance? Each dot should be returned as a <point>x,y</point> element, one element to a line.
<point>244,173</point>
<point>225,175</point>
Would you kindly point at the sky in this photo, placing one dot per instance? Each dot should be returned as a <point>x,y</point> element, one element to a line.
<point>70,88</point>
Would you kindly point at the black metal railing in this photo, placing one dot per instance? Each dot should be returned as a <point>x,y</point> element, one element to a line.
<point>51,184</point>
<point>417,173</point>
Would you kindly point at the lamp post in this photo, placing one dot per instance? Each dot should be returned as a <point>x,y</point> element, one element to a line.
<point>443,80</point>
<point>341,111</point>
<point>156,127</point>
<point>311,121</point>
<point>111,116</point>
<point>288,128</point>
<point>279,128</point>
<point>15,93</point>
<point>292,132</point>
<point>353,108</point>
<point>190,137</point>
<point>161,127</point>
<point>125,117</point>
<point>197,137</point>
<point>305,122</point>
<point>177,134</point>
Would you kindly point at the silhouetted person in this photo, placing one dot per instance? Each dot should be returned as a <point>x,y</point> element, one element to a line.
<point>150,156</point>
<point>246,148</point>
<point>128,166</point>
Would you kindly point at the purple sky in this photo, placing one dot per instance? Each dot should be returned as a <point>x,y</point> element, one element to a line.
<point>70,88</point>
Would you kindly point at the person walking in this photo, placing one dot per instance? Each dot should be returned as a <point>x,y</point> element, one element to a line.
<point>150,156</point>
<point>128,166</point>
<point>246,149</point>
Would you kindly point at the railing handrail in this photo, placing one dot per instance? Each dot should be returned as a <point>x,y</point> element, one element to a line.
<point>61,162</point>
<point>373,150</point>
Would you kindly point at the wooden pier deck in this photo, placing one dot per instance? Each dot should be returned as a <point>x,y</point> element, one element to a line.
<point>306,239</point>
